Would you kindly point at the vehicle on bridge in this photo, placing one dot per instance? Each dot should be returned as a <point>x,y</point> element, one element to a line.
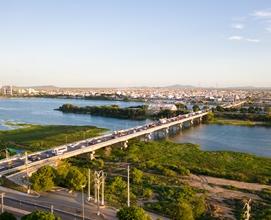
<point>60,150</point>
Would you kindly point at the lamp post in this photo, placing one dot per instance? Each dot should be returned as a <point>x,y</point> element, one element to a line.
<point>99,181</point>
<point>128,186</point>
<point>83,203</point>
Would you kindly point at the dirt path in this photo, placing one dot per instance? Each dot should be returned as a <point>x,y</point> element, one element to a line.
<point>218,194</point>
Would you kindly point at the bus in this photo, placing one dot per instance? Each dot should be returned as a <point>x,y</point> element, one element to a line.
<point>60,150</point>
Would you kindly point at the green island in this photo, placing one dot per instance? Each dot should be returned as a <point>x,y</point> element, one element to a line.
<point>114,111</point>
<point>251,116</point>
<point>41,137</point>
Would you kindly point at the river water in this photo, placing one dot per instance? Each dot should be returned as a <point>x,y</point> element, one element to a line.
<point>256,140</point>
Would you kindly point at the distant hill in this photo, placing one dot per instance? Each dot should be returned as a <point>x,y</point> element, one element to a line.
<point>180,86</point>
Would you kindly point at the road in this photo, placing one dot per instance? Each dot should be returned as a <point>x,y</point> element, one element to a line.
<point>66,205</point>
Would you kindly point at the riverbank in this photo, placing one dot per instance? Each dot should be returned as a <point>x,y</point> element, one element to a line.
<point>40,137</point>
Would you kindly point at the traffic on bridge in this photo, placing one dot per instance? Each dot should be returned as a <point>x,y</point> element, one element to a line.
<point>22,162</point>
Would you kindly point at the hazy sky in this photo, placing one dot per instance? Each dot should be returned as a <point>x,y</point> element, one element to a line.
<point>135,42</point>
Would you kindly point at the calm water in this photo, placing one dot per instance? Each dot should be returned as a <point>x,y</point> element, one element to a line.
<point>41,111</point>
<point>256,140</point>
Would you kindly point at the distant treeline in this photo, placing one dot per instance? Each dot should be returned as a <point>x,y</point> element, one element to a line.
<point>114,111</point>
<point>249,114</point>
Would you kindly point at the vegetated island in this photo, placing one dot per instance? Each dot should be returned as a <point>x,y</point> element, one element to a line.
<point>139,112</point>
<point>251,116</point>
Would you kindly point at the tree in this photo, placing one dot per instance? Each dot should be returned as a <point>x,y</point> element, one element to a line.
<point>75,179</point>
<point>196,108</point>
<point>7,216</point>
<point>40,215</point>
<point>43,179</point>
<point>132,213</point>
<point>183,211</point>
<point>181,106</point>
<point>137,175</point>
<point>118,185</point>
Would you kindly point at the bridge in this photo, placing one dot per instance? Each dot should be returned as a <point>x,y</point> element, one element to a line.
<point>234,105</point>
<point>41,158</point>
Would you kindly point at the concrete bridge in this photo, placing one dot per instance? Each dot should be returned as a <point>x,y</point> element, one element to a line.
<point>48,157</point>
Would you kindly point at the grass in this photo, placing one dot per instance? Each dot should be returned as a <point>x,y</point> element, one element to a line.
<point>235,122</point>
<point>41,137</point>
<point>165,155</point>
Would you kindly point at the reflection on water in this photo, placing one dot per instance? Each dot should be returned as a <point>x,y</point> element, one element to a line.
<point>256,140</point>
<point>41,111</point>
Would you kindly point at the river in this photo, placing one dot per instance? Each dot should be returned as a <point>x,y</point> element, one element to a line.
<point>256,140</point>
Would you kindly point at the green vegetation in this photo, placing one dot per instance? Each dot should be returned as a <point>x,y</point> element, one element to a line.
<point>133,113</point>
<point>45,178</point>
<point>114,111</point>
<point>156,184</point>
<point>132,213</point>
<point>41,137</point>
<point>168,158</point>
<point>245,114</point>
<point>40,215</point>
<point>221,121</point>
<point>7,216</point>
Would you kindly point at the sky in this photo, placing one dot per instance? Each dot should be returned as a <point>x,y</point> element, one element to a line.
<point>112,43</point>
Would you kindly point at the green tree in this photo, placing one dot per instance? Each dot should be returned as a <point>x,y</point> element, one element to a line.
<point>75,179</point>
<point>137,176</point>
<point>7,216</point>
<point>196,108</point>
<point>147,193</point>
<point>132,213</point>
<point>182,211</point>
<point>43,179</point>
<point>40,215</point>
<point>118,185</point>
<point>198,205</point>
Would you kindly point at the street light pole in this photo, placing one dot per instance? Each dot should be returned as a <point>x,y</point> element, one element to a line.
<point>128,186</point>
<point>103,178</point>
<point>88,184</point>
<point>83,204</point>
<point>2,202</point>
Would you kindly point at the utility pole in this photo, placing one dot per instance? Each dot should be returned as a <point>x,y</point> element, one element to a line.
<point>2,202</point>
<point>128,186</point>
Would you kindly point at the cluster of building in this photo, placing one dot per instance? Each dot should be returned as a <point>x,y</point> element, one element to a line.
<point>16,91</point>
<point>155,94</point>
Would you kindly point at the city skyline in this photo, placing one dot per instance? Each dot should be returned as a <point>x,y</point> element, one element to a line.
<point>142,43</point>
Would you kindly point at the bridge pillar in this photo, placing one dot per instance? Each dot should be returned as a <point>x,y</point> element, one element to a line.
<point>92,155</point>
<point>191,122</point>
<point>148,137</point>
<point>181,126</point>
<point>124,145</point>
